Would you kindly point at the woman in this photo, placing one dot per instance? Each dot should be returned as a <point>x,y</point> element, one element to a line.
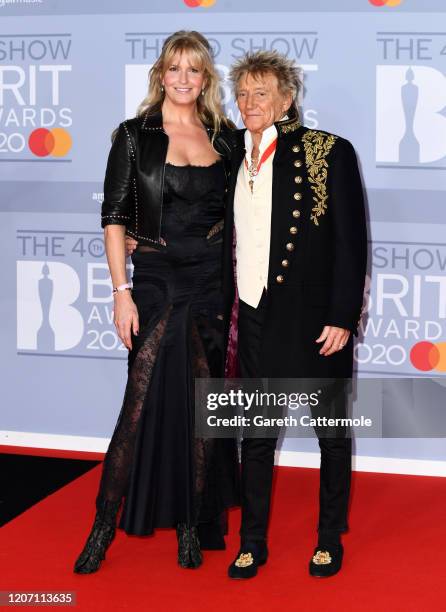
<point>164,186</point>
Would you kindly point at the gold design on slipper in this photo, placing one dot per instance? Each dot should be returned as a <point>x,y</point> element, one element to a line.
<point>322,557</point>
<point>244,560</point>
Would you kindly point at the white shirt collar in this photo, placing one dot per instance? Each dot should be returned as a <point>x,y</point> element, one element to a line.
<point>268,136</point>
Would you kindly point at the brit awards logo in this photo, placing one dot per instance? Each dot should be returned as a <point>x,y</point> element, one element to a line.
<point>411,124</point>
<point>35,114</point>
<point>64,296</point>
<point>47,318</point>
<point>411,100</point>
<point>403,329</point>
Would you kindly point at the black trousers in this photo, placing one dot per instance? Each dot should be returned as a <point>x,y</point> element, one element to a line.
<point>257,454</point>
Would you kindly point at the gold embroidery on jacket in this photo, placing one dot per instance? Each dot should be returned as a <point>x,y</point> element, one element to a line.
<point>317,146</point>
<point>290,125</point>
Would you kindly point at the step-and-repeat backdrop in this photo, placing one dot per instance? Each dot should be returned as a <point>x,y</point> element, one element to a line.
<point>70,71</point>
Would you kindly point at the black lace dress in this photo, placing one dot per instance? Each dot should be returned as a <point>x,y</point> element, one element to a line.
<point>154,462</point>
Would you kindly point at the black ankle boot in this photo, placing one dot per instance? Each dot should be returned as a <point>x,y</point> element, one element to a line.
<point>100,538</point>
<point>189,553</point>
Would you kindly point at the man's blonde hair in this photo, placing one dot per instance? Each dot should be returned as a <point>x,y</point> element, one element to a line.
<point>269,62</point>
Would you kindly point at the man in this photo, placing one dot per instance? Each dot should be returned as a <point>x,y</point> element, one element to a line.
<point>295,207</point>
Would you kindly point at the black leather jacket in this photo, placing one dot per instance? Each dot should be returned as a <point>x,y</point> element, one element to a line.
<point>134,178</point>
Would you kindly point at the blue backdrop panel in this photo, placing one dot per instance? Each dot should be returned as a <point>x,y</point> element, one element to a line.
<point>71,71</point>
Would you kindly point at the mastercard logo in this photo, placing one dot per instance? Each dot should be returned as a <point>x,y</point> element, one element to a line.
<point>426,356</point>
<point>56,142</point>
<point>195,3</point>
<point>385,2</point>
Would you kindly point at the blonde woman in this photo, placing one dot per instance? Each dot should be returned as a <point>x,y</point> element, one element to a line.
<point>164,186</point>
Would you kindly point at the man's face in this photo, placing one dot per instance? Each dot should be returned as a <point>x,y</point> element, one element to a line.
<point>260,101</point>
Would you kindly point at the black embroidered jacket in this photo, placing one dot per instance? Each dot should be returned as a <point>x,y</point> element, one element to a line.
<point>318,249</point>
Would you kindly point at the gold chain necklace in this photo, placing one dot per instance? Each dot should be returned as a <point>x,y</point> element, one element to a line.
<point>253,169</point>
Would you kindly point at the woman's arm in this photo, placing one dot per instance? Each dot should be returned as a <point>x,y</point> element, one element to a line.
<point>125,311</point>
<point>117,206</point>
<point>116,212</point>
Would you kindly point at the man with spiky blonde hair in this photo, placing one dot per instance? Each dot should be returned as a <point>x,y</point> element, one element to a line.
<point>296,210</point>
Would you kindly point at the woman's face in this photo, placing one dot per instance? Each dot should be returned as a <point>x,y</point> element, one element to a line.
<point>183,79</point>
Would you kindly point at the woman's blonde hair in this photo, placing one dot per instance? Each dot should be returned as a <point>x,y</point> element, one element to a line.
<point>209,105</point>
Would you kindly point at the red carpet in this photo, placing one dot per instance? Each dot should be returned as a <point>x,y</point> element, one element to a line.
<point>394,553</point>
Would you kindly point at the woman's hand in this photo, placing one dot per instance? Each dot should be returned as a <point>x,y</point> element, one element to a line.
<point>125,317</point>
<point>130,245</point>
